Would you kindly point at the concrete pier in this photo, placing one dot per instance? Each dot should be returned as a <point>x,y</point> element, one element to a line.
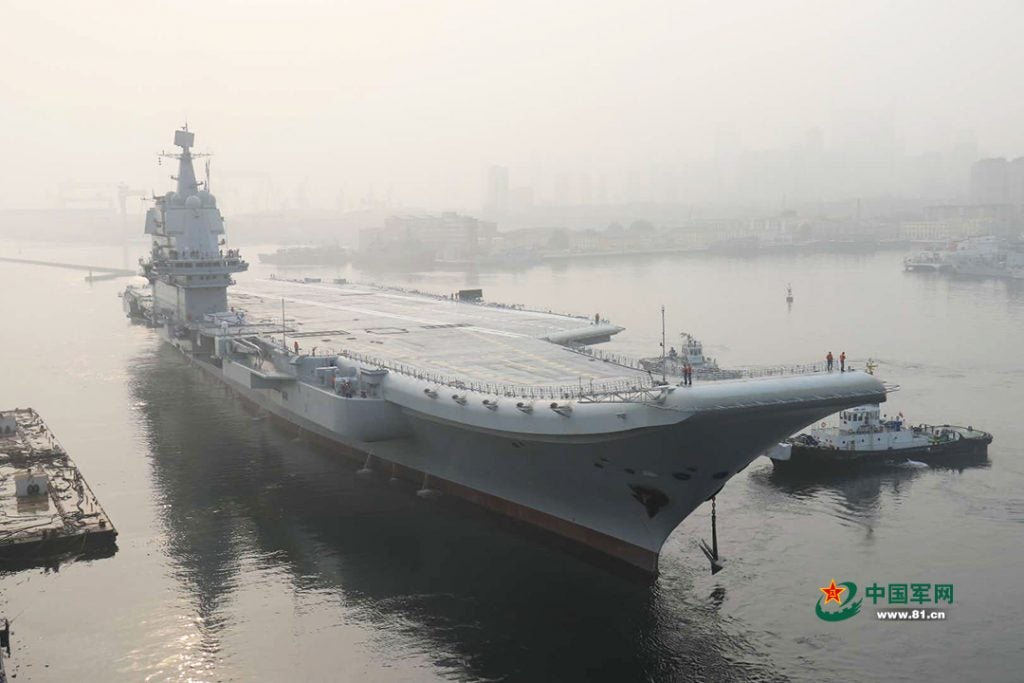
<point>46,507</point>
<point>96,273</point>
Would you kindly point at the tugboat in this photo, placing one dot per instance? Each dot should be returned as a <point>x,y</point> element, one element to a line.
<point>692,352</point>
<point>863,438</point>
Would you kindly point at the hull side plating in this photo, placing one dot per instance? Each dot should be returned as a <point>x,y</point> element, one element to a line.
<point>621,494</point>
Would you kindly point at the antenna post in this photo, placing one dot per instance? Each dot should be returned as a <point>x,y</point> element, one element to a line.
<point>664,373</point>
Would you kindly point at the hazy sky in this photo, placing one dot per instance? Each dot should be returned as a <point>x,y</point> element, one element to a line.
<point>422,96</point>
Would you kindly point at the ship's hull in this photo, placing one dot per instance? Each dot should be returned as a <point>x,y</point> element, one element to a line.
<point>949,454</point>
<point>619,494</point>
<point>623,496</point>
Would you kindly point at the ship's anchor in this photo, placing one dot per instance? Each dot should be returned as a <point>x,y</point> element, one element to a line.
<point>712,552</point>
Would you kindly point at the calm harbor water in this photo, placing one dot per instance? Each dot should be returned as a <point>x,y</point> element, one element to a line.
<point>247,555</point>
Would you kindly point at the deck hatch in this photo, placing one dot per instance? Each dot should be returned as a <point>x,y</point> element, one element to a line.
<point>321,333</point>
<point>386,330</point>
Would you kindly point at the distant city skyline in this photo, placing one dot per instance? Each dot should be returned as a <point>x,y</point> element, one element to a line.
<point>386,104</point>
<point>805,171</point>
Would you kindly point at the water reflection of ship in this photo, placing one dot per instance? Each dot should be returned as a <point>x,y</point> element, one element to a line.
<point>443,576</point>
<point>860,491</point>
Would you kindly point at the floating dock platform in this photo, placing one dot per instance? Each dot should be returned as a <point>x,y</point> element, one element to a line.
<point>46,507</point>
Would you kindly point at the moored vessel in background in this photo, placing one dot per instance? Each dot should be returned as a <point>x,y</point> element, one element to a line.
<point>928,261</point>
<point>979,257</point>
<point>984,256</point>
<point>988,256</point>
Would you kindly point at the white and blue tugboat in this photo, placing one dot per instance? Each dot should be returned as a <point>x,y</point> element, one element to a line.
<point>691,352</point>
<point>864,438</point>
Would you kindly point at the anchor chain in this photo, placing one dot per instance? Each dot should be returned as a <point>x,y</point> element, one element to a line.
<point>711,552</point>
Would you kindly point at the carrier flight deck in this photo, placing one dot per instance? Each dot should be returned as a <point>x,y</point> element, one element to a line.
<point>471,342</point>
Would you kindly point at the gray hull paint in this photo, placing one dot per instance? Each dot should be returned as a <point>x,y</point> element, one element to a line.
<point>601,485</point>
<point>622,494</point>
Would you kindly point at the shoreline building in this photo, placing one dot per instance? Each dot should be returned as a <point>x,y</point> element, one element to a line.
<point>449,236</point>
<point>496,192</point>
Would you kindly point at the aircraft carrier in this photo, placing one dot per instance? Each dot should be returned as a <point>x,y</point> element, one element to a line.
<point>505,407</point>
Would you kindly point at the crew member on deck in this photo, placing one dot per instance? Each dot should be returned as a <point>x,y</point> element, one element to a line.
<point>842,361</point>
<point>828,361</point>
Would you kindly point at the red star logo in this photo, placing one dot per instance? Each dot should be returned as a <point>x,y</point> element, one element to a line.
<point>832,592</point>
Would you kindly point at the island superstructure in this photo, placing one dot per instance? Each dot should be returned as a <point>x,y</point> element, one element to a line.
<point>506,407</point>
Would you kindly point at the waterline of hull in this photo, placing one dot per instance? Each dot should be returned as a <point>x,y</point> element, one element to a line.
<point>621,495</point>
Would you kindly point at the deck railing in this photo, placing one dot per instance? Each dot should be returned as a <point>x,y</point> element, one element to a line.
<point>581,390</point>
<point>752,372</point>
<point>642,387</point>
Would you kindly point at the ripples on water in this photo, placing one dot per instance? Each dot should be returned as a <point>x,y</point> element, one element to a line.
<point>247,555</point>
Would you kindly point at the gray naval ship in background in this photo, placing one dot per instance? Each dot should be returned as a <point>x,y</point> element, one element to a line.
<point>505,407</point>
